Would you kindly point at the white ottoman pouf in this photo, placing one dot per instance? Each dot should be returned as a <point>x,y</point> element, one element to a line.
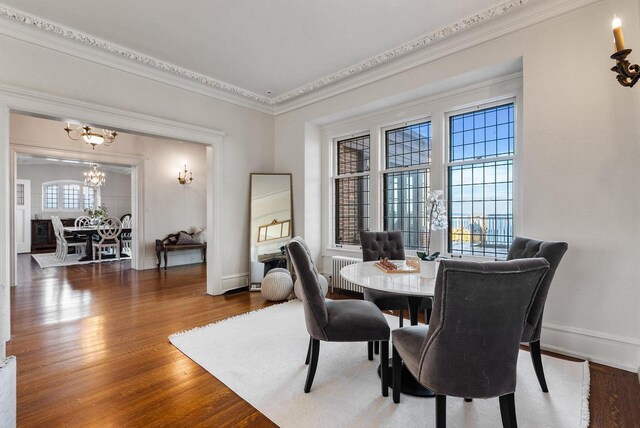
<point>324,286</point>
<point>276,286</point>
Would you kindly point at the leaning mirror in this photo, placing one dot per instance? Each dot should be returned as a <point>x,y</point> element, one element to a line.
<point>271,224</point>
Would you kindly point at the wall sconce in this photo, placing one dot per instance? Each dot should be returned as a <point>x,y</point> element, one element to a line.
<point>182,179</point>
<point>627,73</point>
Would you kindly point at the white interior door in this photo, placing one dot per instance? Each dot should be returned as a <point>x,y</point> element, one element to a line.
<point>23,216</point>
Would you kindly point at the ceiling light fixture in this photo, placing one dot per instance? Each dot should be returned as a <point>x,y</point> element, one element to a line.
<point>89,135</point>
<point>93,177</point>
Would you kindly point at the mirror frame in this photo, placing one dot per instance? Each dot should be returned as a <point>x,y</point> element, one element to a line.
<point>291,220</point>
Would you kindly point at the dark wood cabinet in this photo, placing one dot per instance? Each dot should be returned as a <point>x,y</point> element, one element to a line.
<point>42,237</point>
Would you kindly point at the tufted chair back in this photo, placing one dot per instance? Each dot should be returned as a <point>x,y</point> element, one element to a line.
<point>377,245</point>
<point>315,309</point>
<point>479,310</point>
<point>552,251</point>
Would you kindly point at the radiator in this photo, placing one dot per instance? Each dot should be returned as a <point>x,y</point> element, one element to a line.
<point>338,262</point>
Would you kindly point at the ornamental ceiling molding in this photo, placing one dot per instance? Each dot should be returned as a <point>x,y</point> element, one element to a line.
<point>383,58</point>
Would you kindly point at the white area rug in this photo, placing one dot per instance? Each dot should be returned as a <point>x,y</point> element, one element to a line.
<point>48,260</point>
<point>260,356</point>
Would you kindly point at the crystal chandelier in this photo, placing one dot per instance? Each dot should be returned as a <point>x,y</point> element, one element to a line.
<point>93,177</point>
<point>89,135</point>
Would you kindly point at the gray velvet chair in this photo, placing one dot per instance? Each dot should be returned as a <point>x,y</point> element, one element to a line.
<point>377,245</point>
<point>336,321</point>
<point>470,349</point>
<point>552,251</point>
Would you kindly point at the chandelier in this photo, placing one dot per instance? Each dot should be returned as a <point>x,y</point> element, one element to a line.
<point>89,135</point>
<point>93,177</point>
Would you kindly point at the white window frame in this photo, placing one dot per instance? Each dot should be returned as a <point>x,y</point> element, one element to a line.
<point>383,169</point>
<point>60,184</point>
<point>435,109</point>
<point>335,176</point>
<point>448,163</point>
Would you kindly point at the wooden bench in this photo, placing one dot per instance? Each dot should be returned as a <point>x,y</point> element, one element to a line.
<point>170,243</point>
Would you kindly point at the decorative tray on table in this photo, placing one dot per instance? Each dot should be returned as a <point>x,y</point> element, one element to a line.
<point>389,267</point>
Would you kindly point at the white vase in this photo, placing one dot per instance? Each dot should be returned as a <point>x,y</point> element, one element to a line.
<point>428,268</point>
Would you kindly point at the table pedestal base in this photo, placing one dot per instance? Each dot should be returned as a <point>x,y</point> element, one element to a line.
<point>408,385</point>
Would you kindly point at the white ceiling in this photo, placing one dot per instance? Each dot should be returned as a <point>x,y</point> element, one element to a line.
<point>260,45</point>
<point>73,163</point>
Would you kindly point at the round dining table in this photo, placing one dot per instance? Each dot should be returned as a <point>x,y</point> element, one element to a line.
<point>412,285</point>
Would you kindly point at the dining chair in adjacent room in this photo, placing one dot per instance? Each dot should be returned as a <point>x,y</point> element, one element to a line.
<point>63,243</point>
<point>82,221</point>
<point>470,348</point>
<point>336,320</point>
<point>125,237</point>
<point>390,245</point>
<point>552,251</point>
<point>109,232</point>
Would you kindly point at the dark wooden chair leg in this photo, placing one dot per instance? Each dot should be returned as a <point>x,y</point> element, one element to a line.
<point>401,320</point>
<point>536,358</point>
<point>306,361</point>
<point>397,375</point>
<point>370,351</point>
<point>165,260</point>
<point>376,347</point>
<point>441,411</point>
<point>508,411</point>
<point>384,367</point>
<point>315,349</point>
<point>468,400</point>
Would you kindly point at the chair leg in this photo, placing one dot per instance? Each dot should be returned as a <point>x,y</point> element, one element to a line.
<point>376,347</point>
<point>397,375</point>
<point>427,315</point>
<point>401,320</point>
<point>441,411</point>
<point>468,400</point>
<point>306,361</point>
<point>315,349</point>
<point>508,411</point>
<point>370,351</point>
<point>384,367</point>
<point>536,358</point>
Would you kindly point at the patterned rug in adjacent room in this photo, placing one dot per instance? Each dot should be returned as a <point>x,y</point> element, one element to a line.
<point>260,356</point>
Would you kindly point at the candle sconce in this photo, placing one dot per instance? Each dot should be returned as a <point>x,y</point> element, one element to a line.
<point>627,73</point>
<point>182,179</point>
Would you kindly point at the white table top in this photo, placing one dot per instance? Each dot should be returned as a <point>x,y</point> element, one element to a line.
<point>367,275</point>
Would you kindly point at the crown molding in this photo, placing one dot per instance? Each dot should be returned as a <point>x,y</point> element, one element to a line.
<point>533,14</point>
<point>402,50</point>
<point>41,32</point>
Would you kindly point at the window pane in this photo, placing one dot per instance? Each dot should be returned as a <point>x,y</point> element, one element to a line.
<point>405,195</point>
<point>481,134</point>
<point>89,197</point>
<point>353,155</point>
<point>352,209</point>
<point>50,194</point>
<point>408,146</point>
<point>70,196</point>
<point>20,194</point>
<point>481,208</point>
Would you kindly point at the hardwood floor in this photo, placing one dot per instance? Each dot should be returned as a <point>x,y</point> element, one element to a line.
<point>92,350</point>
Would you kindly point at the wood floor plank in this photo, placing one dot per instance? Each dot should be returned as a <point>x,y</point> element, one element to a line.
<point>93,350</point>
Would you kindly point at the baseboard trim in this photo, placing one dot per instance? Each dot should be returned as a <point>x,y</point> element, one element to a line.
<point>235,280</point>
<point>611,350</point>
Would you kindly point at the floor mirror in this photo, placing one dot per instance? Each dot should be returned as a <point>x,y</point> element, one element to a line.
<point>271,224</point>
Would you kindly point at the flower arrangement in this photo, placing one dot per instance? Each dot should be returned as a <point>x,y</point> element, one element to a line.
<point>99,212</point>
<point>437,220</point>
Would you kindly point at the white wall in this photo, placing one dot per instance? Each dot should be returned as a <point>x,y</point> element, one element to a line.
<point>579,154</point>
<point>115,193</point>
